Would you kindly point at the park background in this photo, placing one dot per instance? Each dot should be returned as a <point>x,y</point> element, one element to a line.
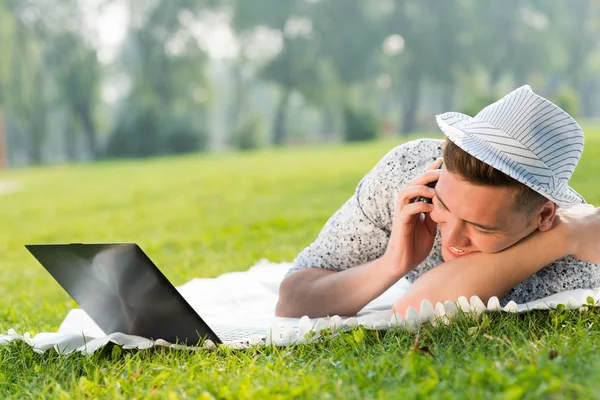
<point>216,133</point>
<point>96,79</point>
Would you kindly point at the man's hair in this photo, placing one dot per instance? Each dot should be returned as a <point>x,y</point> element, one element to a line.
<point>470,169</point>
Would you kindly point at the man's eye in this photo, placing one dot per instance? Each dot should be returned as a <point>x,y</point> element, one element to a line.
<point>484,232</point>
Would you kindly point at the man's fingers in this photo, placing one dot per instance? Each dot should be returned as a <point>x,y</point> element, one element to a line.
<point>431,225</point>
<point>428,177</point>
<point>409,193</point>
<point>411,209</point>
<point>434,165</point>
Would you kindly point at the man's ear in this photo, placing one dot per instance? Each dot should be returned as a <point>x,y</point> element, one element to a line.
<point>545,216</point>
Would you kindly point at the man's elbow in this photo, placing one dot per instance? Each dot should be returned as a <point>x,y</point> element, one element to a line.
<point>296,294</point>
<point>282,310</point>
<point>283,307</point>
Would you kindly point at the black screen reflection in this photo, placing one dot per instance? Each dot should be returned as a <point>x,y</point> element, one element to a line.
<point>122,290</point>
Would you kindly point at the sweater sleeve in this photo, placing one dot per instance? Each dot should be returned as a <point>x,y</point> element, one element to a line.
<point>567,273</point>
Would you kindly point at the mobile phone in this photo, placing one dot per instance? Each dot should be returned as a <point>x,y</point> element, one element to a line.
<point>431,185</point>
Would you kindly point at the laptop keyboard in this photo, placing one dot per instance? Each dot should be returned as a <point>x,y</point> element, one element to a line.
<point>232,334</point>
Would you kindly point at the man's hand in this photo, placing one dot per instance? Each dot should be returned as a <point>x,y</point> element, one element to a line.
<point>413,230</point>
<point>317,292</point>
<point>582,226</point>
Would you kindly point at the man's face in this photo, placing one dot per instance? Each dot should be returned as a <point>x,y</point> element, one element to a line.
<point>477,218</point>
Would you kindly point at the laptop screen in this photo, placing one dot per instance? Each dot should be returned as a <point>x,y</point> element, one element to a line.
<point>122,290</point>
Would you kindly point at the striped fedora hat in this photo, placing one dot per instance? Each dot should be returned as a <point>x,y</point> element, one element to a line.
<point>525,136</point>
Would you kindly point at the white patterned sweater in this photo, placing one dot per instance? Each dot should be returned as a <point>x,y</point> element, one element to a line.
<point>359,231</point>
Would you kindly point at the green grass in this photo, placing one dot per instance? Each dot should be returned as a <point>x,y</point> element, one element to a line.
<point>201,216</point>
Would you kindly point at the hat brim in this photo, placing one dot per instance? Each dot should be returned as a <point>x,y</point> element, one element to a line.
<point>463,131</point>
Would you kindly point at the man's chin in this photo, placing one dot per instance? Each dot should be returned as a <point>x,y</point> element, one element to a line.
<point>447,257</point>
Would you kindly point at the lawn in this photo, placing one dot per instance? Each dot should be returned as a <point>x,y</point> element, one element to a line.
<point>204,215</point>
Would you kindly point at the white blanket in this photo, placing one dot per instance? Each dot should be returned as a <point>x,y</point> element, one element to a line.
<point>249,298</point>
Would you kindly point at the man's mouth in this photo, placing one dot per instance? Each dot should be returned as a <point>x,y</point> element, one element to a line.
<point>457,252</point>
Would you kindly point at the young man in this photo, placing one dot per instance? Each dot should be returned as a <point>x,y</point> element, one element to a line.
<point>503,220</point>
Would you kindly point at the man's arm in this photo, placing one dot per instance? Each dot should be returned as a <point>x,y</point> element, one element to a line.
<point>355,257</point>
<point>317,292</point>
<point>487,275</point>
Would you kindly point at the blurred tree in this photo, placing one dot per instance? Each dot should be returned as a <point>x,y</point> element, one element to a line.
<point>27,84</point>
<point>168,95</point>
<point>351,61</point>
<point>437,44</point>
<point>578,22</point>
<point>247,136</point>
<point>524,36</point>
<point>246,18</point>
<point>77,73</point>
<point>295,68</point>
<point>6,42</point>
<point>54,59</point>
<point>242,23</point>
<point>350,53</point>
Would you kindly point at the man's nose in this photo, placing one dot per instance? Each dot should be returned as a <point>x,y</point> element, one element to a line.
<point>455,234</point>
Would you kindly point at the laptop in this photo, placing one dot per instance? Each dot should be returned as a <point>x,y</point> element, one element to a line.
<point>122,290</point>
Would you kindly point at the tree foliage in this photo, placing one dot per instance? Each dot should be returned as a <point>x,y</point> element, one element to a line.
<point>341,67</point>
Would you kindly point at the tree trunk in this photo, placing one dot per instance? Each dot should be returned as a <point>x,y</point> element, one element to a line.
<point>36,135</point>
<point>35,149</point>
<point>3,140</point>
<point>411,101</point>
<point>330,121</point>
<point>37,121</point>
<point>279,126</point>
<point>3,146</point>
<point>237,104</point>
<point>70,144</point>
<point>89,128</point>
